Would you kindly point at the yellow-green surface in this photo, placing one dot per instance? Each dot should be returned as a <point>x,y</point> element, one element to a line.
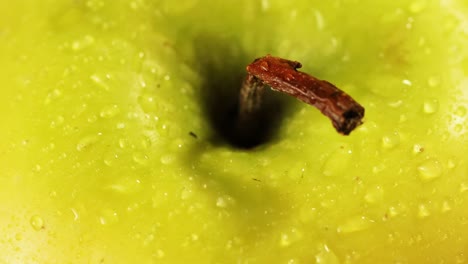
<point>98,98</point>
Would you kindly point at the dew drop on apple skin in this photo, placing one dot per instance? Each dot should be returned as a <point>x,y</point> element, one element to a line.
<point>110,158</point>
<point>108,216</point>
<point>57,121</point>
<point>354,224</point>
<point>52,95</point>
<point>423,211</point>
<point>18,237</point>
<point>374,195</point>
<point>290,236</point>
<point>417,6</point>
<point>86,142</point>
<point>463,187</point>
<point>458,128</point>
<point>461,111</point>
<point>418,148</point>
<point>326,255</point>
<point>99,82</point>
<point>83,43</point>
<point>392,212</point>
<point>109,111</point>
<point>445,207</point>
<point>430,169</point>
<point>167,159</point>
<point>37,222</point>
<point>391,140</point>
<point>430,106</point>
<point>123,143</point>
<point>147,103</point>
<point>140,158</point>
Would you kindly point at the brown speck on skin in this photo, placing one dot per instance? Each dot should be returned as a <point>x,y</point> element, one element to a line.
<point>192,134</point>
<point>282,75</point>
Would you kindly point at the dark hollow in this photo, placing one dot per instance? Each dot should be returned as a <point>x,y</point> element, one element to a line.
<point>222,65</point>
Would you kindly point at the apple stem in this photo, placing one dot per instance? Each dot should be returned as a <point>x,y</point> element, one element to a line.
<point>282,75</point>
<point>250,104</point>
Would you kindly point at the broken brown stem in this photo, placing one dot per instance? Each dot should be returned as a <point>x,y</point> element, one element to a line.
<point>282,75</point>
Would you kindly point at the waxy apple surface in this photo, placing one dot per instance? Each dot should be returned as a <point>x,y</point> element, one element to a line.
<point>111,149</point>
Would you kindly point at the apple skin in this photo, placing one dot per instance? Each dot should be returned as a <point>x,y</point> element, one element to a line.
<point>98,164</point>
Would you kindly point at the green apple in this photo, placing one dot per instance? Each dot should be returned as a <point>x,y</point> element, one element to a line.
<point>113,147</point>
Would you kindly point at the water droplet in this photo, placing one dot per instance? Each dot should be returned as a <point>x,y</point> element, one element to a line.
<point>417,148</point>
<point>431,106</point>
<point>374,195</point>
<point>78,45</point>
<point>289,237</point>
<point>58,121</point>
<point>92,119</point>
<point>417,7</point>
<point>86,142</point>
<point>451,164</point>
<point>355,224</point>
<point>37,168</point>
<point>433,81</point>
<point>125,185</point>
<point>120,125</point>
<point>392,212</point>
<point>264,65</point>
<point>378,168</point>
<point>458,128</point>
<point>403,118</point>
<point>160,253</point>
<point>423,211</point>
<point>109,111</point>
<point>429,170</point>
<point>326,256</point>
<point>76,216</point>
<point>108,216</point>
<point>140,158</point>
<point>224,201</point>
<point>99,82</point>
<point>147,103</point>
<point>445,207</point>
<point>391,140</point>
<point>110,158</point>
<point>145,142</point>
<point>395,104</point>
<point>37,222</point>
<point>167,159</point>
<point>463,187</point>
<point>319,20</point>
<point>186,193</point>
<point>123,143</point>
<point>407,82</point>
<point>51,96</point>
<point>265,5</point>
<point>461,111</point>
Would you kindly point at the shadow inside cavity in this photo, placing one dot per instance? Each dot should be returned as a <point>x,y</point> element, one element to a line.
<point>222,65</point>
